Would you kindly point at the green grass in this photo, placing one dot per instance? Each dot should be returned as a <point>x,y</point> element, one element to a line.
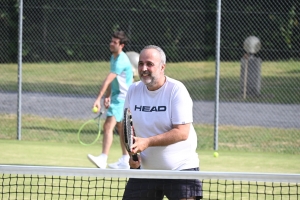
<point>280,80</point>
<point>231,138</point>
<point>74,155</point>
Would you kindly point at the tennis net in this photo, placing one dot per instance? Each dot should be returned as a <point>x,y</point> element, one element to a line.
<point>43,182</point>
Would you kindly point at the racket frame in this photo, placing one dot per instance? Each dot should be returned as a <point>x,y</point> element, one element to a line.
<point>129,132</point>
<point>98,121</point>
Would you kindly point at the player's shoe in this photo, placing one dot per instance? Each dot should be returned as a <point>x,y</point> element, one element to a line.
<point>121,164</point>
<point>99,161</point>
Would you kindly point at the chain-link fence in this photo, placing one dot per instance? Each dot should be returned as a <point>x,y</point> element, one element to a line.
<point>65,59</point>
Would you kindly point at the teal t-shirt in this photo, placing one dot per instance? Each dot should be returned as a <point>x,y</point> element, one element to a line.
<point>122,67</point>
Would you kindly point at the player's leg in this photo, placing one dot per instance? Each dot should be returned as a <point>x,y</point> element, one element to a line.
<point>183,189</point>
<point>117,112</point>
<point>108,126</point>
<point>122,139</point>
<point>146,189</point>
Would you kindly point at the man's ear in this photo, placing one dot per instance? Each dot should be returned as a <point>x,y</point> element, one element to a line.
<point>163,67</point>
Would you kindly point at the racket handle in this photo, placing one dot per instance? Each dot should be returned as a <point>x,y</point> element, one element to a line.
<point>135,157</point>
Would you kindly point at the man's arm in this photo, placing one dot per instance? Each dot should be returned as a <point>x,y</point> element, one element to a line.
<point>107,96</point>
<point>106,85</point>
<point>108,91</point>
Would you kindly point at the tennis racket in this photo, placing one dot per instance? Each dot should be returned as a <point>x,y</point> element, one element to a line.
<point>129,132</point>
<point>90,131</point>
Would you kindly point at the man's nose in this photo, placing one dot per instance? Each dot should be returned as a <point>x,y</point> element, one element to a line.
<point>142,67</point>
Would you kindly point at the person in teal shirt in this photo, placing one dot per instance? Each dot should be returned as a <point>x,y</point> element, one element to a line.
<point>114,90</point>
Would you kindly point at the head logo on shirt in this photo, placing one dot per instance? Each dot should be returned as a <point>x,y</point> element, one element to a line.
<point>150,108</point>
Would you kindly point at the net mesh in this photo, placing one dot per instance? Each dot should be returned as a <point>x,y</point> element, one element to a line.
<point>38,182</point>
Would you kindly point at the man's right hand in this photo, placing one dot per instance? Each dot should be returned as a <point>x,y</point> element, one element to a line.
<point>97,104</point>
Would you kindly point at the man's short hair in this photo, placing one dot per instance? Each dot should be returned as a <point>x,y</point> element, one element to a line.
<point>121,36</point>
<point>161,52</point>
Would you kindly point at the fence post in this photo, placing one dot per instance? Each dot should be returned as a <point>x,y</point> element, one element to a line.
<point>19,120</point>
<point>217,78</point>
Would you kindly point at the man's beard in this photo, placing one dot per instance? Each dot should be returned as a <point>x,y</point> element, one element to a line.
<point>149,80</point>
<point>113,50</point>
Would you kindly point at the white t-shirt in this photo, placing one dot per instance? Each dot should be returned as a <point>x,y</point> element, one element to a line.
<point>153,113</point>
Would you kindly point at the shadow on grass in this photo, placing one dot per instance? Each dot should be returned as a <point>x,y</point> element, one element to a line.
<point>48,129</point>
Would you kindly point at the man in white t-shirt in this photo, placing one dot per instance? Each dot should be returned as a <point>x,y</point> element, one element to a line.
<point>165,139</point>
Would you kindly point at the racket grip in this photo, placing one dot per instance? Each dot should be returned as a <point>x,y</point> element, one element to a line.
<point>135,157</point>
